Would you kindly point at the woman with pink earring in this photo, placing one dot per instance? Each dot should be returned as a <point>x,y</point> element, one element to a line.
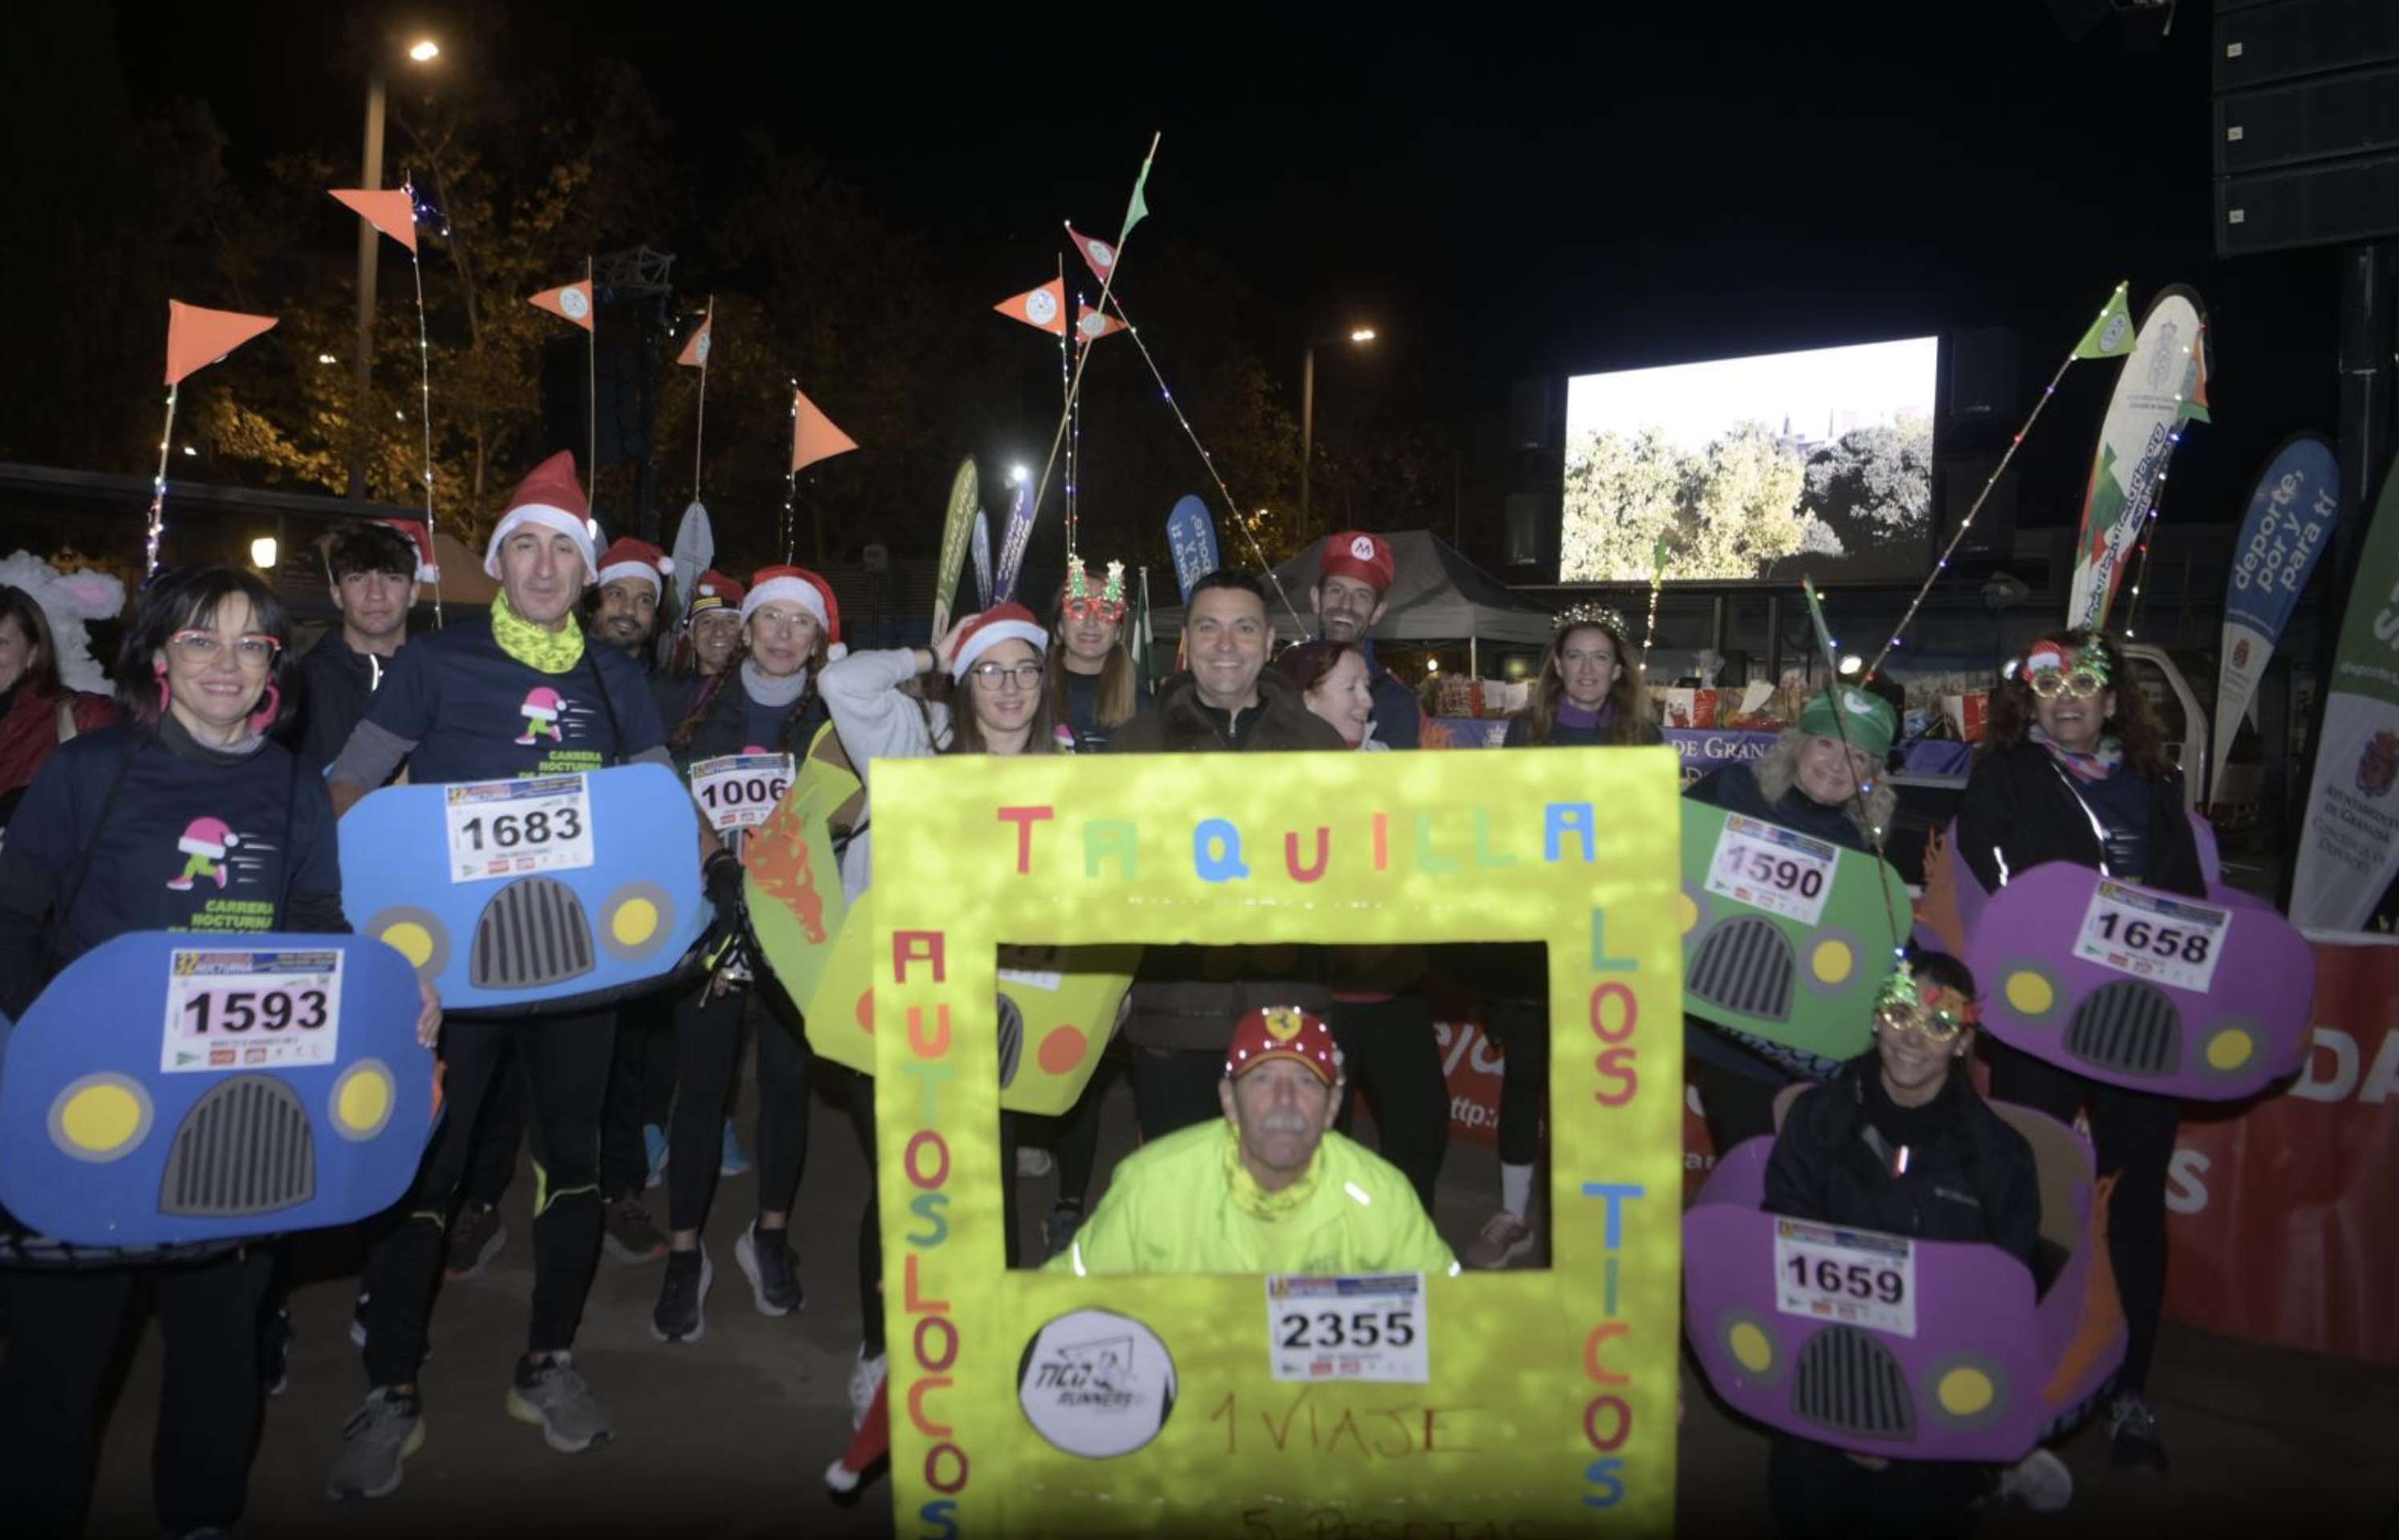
<point>186,817</point>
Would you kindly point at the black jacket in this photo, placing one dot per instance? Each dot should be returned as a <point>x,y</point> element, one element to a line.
<point>2021,810</point>
<point>1970,1177</point>
<point>340,682</point>
<point>1182,725</point>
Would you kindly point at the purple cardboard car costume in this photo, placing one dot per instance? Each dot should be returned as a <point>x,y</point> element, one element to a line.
<point>1906,1349</point>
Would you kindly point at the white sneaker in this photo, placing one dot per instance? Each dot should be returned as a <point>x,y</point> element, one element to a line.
<point>2039,1481</point>
<point>865,1379</point>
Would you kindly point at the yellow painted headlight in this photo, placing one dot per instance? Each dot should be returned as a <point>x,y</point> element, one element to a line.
<point>1752,1348</point>
<point>1690,914</point>
<point>100,1117</point>
<point>362,1099</point>
<point>2029,993</point>
<point>2231,1048</point>
<point>636,920</point>
<point>410,940</point>
<point>1965,1392</point>
<point>1834,962</point>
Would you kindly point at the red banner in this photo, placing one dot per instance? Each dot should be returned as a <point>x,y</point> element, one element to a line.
<point>2283,1214</point>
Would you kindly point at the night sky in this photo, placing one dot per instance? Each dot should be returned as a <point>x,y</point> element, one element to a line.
<point>1503,196</point>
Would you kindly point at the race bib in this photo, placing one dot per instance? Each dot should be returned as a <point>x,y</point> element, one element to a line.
<point>247,1010</point>
<point>511,827</point>
<point>1856,1278</point>
<point>1771,868</point>
<point>739,791</point>
<point>2171,941</point>
<point>1348,1328</point>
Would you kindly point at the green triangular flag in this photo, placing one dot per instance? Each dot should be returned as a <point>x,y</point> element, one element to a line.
<point>1139,208</point>
<point>2112,333</point>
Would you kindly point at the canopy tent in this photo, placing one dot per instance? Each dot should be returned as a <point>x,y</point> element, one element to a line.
<point>1436,595</point>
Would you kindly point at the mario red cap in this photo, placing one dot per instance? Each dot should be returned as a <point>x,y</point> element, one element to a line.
<point>631,557</point>
<point>549,497</point>
<point>713,591</point>
<point>1283,1031</point>
<point>1359,556</point>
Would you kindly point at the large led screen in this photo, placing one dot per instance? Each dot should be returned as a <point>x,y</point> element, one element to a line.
<point>1816,462</point>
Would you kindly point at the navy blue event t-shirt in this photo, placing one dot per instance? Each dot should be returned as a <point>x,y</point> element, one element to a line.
<point>474,713</point>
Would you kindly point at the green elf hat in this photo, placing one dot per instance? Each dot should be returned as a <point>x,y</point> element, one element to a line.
<point>1866,721</point>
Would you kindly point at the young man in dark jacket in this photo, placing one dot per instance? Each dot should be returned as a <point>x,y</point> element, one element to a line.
<point>1900,1143</point>
<point>373,570</point>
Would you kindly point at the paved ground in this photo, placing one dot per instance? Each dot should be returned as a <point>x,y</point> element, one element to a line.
<point>729,1436</point>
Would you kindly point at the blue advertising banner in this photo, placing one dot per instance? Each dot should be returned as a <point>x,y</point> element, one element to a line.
<point>2289,523</point>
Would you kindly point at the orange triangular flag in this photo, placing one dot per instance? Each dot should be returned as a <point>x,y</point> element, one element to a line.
<point>196,338</point>
<point>813,436</point>
<point>694,352</point>
<point>1044,307</point>
<point>573,302</point>
<point>390,213</point>
<point>1097,254</point>
<point>1091,325</point>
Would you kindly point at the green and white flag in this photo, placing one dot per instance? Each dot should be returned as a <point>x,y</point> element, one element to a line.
<point>2111,335</point>
<point>2143,424</point>
<point>2348,846</point>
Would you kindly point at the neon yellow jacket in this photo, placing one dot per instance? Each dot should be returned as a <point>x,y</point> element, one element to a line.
<point>1186,1204</point>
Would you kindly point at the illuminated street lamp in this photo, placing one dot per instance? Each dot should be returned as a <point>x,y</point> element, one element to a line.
<point>1359,336</point>
<point>423,51</point>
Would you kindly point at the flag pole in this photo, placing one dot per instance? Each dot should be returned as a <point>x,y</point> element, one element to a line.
<point>425,403</point>
<point>592,387</point>
<point>159,482</point>
<point>1958,535</point>
<point>792,482</point>
<point>699,435</point>
<point>1133,211</point>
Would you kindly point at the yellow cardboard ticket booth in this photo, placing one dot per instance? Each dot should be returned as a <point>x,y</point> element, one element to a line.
<point>1033,1404</point>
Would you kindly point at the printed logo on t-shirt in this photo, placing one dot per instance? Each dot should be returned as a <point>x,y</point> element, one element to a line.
<point>219,858</point>
<point>548,718</point>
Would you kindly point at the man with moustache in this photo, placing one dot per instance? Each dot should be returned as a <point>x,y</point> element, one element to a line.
<point>1270,1188</point>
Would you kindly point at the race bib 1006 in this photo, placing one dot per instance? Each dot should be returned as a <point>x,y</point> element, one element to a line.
<point>1348,1328</point>
<point>739,791</point>
<point>513,828</point>
<point>2171,941</point>
<point>1855,1277</point>
<point>244,1010</point>
<point>1768,867</point>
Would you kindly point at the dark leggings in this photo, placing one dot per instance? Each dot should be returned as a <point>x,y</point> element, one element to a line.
<point>708,1058</point>
<point>2133,1133</point>
<point>1522,1030</point>
<point>63,1332</point>
<point>1817,1492</point>
<point>1389,1051</point>
<point>644,1045</point>
<point>861,1091</point>
<point>1175,1087</point>
<point>565,1061</point>
<point>1078,1138</point>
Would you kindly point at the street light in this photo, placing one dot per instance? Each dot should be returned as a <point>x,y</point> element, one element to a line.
<point>1359,336</point>
<point>371,179</point>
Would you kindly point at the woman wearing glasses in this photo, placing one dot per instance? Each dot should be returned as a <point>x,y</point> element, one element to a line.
<point>763,700</point>
<point>1898,1142</point>
<point>2074,768</point>
<point>187,817</point>
<point>993,662</point>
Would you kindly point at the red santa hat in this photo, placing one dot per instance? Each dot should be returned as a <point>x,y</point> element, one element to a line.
<point>998,624</point>
<point>713,591</point>
<point>797,585</point>
<point>629,558</point>
<point>1359,556</point>
<point>418,541</point>
<point>549,497</point>
<point>208,837</point>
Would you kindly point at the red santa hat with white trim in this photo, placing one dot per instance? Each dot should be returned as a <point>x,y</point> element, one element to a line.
<point>549,497</point>
<point>998,624</point>
<point>797,585</point>
<point>418,541</point>
<point>629,558</point>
